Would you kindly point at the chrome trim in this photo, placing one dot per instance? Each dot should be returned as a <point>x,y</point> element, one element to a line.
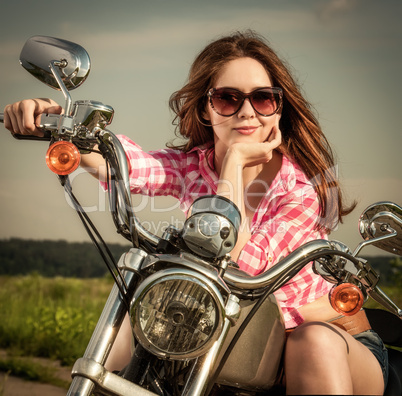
<point>113,313</point>
<point>97,376</point>
<point>191,262</point>
<point>185,275</point>
<point>233,309</point>
<point>63,88</point>
<point>202,370</point>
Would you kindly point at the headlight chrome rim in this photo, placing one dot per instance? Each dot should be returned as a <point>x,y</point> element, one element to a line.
<point>178,312</point>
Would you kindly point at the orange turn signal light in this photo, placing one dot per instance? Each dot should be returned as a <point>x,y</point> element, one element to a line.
<point>63,158</point>
<point>346,298</point>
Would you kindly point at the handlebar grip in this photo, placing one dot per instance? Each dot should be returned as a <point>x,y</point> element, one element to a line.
<point>46,137</point>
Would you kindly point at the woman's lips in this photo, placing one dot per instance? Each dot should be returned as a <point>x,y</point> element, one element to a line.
<point>246,130</point>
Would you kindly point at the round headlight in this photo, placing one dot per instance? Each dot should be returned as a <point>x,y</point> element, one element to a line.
<point>177,314</point>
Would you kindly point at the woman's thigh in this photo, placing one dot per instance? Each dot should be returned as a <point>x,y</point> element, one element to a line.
<point>333,352</point>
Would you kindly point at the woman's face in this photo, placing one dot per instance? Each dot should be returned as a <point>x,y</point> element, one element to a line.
<point>247,126</point>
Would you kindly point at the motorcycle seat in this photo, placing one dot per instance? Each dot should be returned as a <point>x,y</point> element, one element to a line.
<point>394,387</point>
<point>387,326</point>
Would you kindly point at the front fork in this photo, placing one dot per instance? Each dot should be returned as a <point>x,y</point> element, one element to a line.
<point>89,374</point>
<point>202,370</point>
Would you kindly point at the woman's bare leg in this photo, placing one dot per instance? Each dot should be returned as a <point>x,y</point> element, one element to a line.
<point>120,353</point>
<point>322,359</point>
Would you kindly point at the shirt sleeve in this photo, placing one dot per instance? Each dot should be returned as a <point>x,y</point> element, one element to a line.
<point>155,172</point>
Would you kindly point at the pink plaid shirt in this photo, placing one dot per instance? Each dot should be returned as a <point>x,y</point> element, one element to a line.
<point>285,219</point>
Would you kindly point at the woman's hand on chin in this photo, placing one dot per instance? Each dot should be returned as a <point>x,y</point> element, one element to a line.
<point>252,154</point>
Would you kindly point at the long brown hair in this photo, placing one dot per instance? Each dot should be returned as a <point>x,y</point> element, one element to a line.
<point>302,138</point>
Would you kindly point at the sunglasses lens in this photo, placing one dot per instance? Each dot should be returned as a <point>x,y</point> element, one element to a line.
<point>265,101</point>
<point>227,102</point>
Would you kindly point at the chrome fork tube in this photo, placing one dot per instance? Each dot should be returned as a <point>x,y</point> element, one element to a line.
<point>107,328</point>
<point>202,370</point>
<point>101,342</point>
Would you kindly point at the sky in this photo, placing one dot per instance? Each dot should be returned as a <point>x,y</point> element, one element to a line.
<point>345,54</point>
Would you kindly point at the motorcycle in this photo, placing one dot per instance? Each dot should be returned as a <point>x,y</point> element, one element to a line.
<point>200,325</point>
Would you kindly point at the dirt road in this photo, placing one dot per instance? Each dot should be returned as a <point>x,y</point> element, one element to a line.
<point>17,387</point>
<point>14,386</point>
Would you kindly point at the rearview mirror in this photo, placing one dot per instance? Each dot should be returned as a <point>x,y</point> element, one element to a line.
<point>39,51</point>
<point>382,219</point>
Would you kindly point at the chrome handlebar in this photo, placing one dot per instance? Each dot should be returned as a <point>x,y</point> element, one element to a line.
<point>292,263</point>
<point>114,144</point>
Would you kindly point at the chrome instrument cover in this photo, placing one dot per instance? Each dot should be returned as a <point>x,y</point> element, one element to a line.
<point>91,115</point>
<point>212,225</point>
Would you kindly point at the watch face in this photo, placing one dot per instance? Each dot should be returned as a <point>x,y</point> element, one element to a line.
<point>209,225</point>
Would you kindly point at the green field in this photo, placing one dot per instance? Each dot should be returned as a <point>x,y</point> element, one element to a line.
<point>50,317</point>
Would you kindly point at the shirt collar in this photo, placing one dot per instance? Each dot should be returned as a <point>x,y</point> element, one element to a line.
<point>206,155</point>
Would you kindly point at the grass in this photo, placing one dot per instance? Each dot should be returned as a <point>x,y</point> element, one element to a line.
<point>49,317</point>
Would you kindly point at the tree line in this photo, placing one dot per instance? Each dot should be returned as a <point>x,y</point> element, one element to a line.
<point>82,260</point>
<point>54,258</point>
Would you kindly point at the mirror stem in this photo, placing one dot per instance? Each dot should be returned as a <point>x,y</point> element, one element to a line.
<point>67,96</point>
<point>361,245</point>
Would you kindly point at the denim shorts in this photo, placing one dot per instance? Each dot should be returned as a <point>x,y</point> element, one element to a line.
<point>373,342</point>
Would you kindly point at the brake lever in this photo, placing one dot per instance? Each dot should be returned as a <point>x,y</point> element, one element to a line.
<point>378,295</point>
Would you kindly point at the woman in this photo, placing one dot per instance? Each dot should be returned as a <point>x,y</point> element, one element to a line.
<point>252,137</point>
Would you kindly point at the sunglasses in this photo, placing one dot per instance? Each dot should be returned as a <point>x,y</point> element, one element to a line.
<point>228,101</point>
